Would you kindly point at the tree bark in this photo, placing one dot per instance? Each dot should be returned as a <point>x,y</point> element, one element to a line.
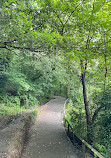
<point>86,104</point>
<point>106,70</point>
<point>60,88</point>
<point>68,91</point>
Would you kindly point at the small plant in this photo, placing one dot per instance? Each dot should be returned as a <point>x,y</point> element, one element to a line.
<point>35,112</point>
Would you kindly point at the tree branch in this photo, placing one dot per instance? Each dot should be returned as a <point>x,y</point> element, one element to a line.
<point>7,42</point>
<point>71,14</point>
<point>96,112</point>
<point>21,48</point>
<point>102,43</point>
<point>58,17</point>
<point>63,24</point>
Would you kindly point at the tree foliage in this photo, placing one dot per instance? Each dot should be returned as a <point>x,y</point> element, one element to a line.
<point>61,47</point>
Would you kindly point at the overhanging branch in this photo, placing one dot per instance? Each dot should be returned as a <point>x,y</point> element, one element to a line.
<point>7,42</point>
<point>21,48</point>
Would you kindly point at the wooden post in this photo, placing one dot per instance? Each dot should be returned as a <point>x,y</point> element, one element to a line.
<point>73,138</point>
<point>83,149</point>
<point>68,129</point>
<point>65,123</point>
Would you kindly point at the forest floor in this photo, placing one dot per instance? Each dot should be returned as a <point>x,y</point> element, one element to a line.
<point>48,138</point>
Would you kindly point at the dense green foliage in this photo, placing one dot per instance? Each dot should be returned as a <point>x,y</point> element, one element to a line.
<point>28,80</point>
<point>57,47</point>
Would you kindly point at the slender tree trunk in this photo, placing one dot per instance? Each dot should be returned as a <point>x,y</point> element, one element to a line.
<point>60,88</point>
<point>85,99</point>
<point>68,91</point>
<point>88,118</point>
<point>105,72</point>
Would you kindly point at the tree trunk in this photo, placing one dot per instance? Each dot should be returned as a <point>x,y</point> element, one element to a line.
<point>60,88</point>
<point>88,119</point>
<point>68,91</point>
<point>105,72</point>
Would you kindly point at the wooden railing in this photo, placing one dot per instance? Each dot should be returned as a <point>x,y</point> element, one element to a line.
<point>76,139</point>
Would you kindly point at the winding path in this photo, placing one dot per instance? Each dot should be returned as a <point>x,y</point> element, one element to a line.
<point>48,138</point>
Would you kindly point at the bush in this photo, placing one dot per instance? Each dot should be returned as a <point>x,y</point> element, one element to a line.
<point>11,101</point>
<point>76,115</point>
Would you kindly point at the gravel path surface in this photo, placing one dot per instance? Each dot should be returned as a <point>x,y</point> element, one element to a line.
<point>48,138</point>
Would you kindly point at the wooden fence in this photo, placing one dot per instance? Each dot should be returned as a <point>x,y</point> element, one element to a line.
<point>76,139</point>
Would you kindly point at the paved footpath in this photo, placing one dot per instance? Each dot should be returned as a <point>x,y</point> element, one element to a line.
<point>48,138</point>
